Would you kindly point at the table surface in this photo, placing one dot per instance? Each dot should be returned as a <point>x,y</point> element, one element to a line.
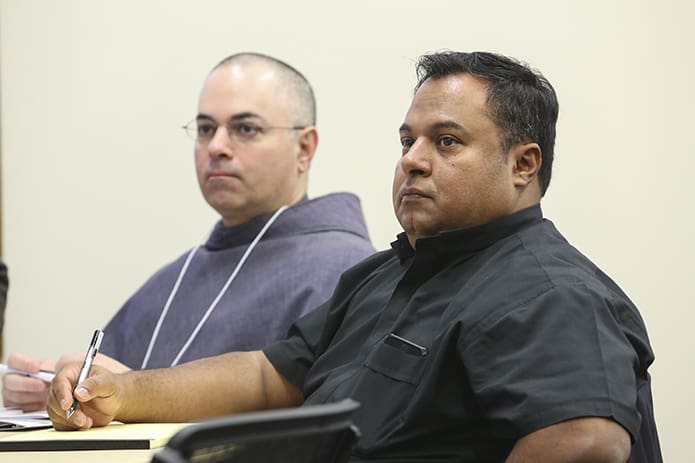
<point>78,456</point>
<point>92,456</point>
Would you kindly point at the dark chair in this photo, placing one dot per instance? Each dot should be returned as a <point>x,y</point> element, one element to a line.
<point>309,434</point>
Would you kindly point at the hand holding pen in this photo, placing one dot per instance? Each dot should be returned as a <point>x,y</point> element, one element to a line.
<point>86,366</point>
<point>83,396</point>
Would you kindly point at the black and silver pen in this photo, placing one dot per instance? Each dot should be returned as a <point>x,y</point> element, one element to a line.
<point>86,365</point>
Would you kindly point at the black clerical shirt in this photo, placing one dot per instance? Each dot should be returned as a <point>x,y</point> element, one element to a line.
<point>477,338</point>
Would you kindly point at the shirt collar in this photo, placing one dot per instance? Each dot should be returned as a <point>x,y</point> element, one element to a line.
<point>224,237</point>
<point>228,236</point>
<point>468,240</point>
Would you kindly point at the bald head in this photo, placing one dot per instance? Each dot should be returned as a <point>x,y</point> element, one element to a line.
<point>261,161</point>
<point>295,86</point>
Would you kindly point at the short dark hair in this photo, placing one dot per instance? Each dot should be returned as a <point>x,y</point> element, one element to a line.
<point>295,80</point>
<point>522,103</point>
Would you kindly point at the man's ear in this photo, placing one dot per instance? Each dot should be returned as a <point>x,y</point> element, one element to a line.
<point>526,159</point>
<point>308,141</point>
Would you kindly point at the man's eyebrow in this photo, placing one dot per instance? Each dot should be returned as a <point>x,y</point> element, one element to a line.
<point>447,125</point>
<point>436,126</point>
<point>235,117</point>
<point>202,116</point>
<point>244,115</point>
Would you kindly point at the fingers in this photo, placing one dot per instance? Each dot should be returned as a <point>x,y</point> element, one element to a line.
<point>61,422</point>
<point>20,383</point>
<point>24,362</point>
<point>99,384</point>
<point>69,358</point>
<point>60,399</point>
<point>28,394</point>
<point>93,396</point>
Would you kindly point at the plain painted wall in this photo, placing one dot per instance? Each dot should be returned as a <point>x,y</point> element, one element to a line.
<point>98,189</point>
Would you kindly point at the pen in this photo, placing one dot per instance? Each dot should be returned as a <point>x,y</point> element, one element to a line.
<point>86,366</point>
<point>43,375</point>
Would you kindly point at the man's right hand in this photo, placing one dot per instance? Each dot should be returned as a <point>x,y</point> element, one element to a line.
<point>97,396</point>
<point>26,393</point>
<point>31,394</point>
<point>194,390</point>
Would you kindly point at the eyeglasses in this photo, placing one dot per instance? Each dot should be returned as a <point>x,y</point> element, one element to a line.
<point>203,130</point>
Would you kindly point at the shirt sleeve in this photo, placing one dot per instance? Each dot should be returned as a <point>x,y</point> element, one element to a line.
<point>560,356</point>
<point>293,356</point>
<point>309,336</point>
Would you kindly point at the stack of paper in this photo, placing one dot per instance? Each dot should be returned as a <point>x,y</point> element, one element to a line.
<point>12,419</point>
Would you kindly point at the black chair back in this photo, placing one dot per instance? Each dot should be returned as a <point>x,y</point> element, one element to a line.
<point>310,434</point>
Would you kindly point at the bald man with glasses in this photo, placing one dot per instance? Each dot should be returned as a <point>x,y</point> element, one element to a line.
<point>273,255</point>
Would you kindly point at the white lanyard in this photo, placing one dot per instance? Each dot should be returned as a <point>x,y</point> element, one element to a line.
<point>175,289</point>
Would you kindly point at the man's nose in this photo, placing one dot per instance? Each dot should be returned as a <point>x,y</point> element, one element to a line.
<point>417,160</point>
<point>220,144</point>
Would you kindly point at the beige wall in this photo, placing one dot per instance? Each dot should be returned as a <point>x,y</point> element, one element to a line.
<point>97,179</point>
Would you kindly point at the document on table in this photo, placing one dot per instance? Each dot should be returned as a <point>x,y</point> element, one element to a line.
<point>116,436</point>
<point>12,419</point>
<point>6,413</point>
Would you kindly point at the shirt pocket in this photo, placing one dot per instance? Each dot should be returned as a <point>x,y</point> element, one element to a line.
<point>388,384</point>
<point>399,359</point>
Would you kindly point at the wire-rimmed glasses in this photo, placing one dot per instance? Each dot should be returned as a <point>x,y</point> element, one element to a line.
<point>203,130</point>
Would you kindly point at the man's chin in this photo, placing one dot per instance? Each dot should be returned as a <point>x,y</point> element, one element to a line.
<point>226,205</point>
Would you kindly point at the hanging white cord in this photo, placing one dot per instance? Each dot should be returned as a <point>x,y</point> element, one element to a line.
<point>173,292</point>
<point>202,321</point>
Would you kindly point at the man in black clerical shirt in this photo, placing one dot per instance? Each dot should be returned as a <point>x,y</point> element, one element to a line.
<point>482,335</point>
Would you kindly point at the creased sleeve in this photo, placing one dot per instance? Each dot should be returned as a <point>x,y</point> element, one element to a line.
<point>559,356</point>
